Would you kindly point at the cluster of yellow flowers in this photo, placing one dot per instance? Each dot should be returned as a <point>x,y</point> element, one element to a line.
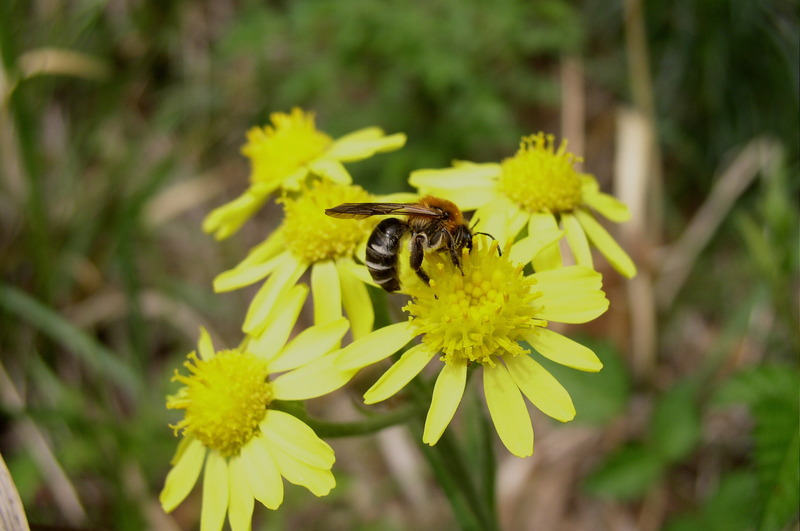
<point>484,314</point>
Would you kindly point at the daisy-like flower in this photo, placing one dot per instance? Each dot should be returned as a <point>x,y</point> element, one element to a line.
<point>230,432</point>
<point>310,239</point>
<point>479,320</point>
<point>283,154</point>
<point>539,187</point>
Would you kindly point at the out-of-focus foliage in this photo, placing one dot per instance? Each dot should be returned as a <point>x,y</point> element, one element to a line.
<point>770,393</point>
<point>455,76</point>
<point>109,163</point>
<point>723,72</point>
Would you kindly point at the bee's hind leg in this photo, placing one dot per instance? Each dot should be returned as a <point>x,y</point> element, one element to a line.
<point>423,275</point>
<point>417,248</point>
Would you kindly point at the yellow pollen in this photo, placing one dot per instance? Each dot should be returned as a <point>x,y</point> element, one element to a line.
<point>311,235</point>
<point>224,399</point>
<point>540,178</point>
<point>477,316</point>
<point>278,150</point>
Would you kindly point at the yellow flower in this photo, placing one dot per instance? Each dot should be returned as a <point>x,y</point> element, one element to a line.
<point>539,187</point>
<point>310,239</point>
<point>231,433</point>
<point>479,319</point>
<point>283,154</point>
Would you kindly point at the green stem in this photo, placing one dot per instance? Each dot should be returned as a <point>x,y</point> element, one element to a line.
<point>21,131</point>
<point>470,506</point>
<point>488,464</point>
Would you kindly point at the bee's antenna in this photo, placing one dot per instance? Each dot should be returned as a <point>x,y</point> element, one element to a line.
<point>499,252</point>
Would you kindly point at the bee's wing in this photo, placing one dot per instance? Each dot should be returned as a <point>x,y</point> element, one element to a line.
<point>365,210</point>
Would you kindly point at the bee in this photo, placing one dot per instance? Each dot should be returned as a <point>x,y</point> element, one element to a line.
<point>435,224</point>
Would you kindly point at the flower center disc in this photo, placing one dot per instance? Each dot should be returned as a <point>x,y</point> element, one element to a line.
<point>311,235</point>
<point>475,316</point>
<point>540,178</point>
<point>225,399</point>
<point>278,150</point>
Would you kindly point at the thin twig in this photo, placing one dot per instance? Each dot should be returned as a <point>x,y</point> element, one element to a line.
<point>754,158</point>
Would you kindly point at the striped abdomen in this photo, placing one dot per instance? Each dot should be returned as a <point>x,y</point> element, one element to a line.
<point>382,249</point>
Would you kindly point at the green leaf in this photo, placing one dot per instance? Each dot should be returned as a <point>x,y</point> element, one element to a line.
<point>756,384</point>
<point>770,391</point>
<point>626,474</point>
<point>730,508</point>
<point>777,456</point>
<point>675,425</point>
<point>598,397</point>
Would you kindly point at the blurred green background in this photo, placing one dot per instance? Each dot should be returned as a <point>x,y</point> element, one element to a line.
<point>120,128</point>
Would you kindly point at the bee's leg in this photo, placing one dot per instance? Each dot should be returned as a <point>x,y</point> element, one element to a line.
<point>451,248</point>
<point>424,276</point>
<point>456,260</point>
<point>417,247</point>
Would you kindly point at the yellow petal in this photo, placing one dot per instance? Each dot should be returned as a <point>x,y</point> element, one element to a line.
<point>541,388</point>
<point>463,176</point>
<point>326,292</point>
<point>470,186</point>
<point>271,246</point>
<point>311,380</point>
<point>226,220</point>
<point>356,302</point>
<point>244,275</point>
<point>293,180</point>
<point>600,237</point>
<point>358,270</point>
<point>331,169</point>
<point>501,218</point>
<point>577,241</point>
<point>542,226</point>
<point>183,475</point>
<point>360,135</point>
<point>570,294</point>
<point>609,206</point>
<point>508,410</point>
<point>262,474</point>
<point>183,445</point>
<point>403,371</point>
<point>447,395</point>
<point>374,347</point>
<point>309,345</point>
<point>360,145</point>
<point>563,350</point>
<point>240,501</point>
<point>398,197</point>
<point>588,307</point>
<point>297,438</point>
<point>272,339</point>
<point>571,279</point>
<point>525,249</point>
<point>319,481</point>
<point>205,346</point>
<point>469,198</point>
<point>281,280</point>
<point>215,493</point>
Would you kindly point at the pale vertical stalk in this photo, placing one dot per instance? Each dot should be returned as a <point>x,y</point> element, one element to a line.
<point>644,184</point>
<point>573,105</point>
